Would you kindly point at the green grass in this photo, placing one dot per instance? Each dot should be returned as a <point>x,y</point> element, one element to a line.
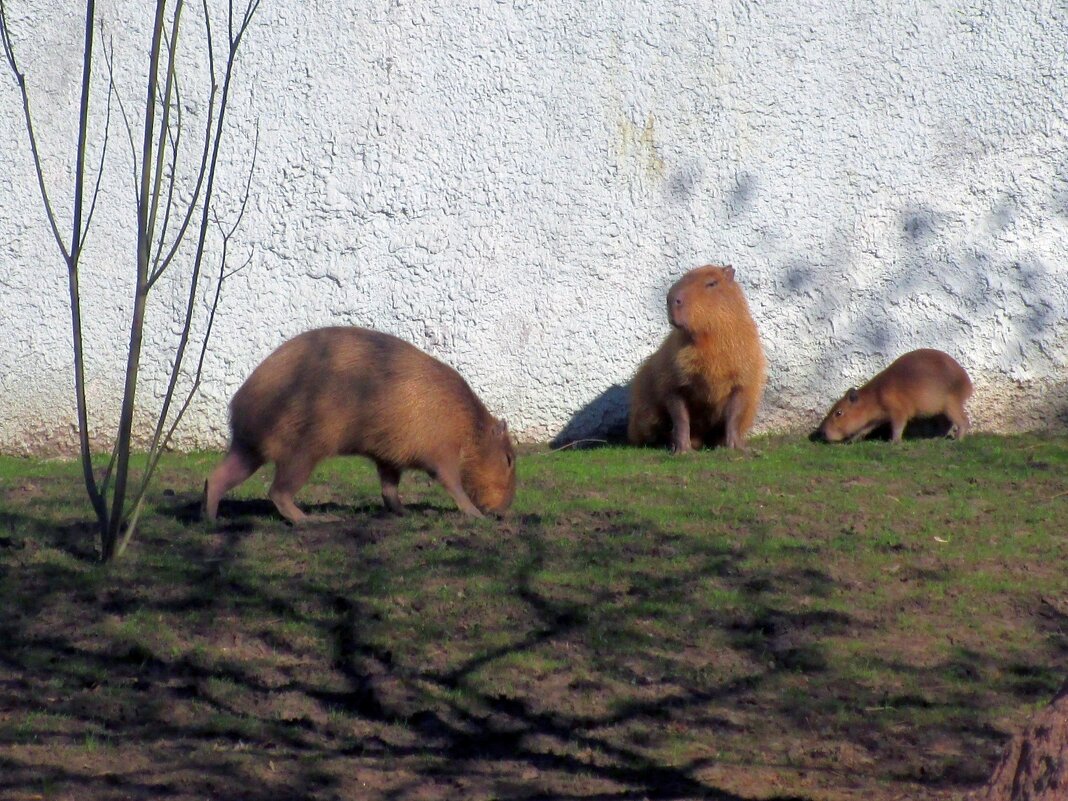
<point>802,621</point>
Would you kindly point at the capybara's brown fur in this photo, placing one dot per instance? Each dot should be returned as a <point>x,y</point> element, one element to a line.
<point>336,391</point>
<point>703,385</point>
<point>922,383</point>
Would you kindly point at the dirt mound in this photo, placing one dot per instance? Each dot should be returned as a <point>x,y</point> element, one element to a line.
<point>1035,765</point>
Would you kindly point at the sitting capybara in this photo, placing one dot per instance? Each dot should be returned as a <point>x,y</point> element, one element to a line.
<point>335,391</point>
<point>703,385</point>
<point>922,383</point>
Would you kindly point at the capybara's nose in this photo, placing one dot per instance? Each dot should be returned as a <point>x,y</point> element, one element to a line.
<point>817,436</point>
<point>674,309</point>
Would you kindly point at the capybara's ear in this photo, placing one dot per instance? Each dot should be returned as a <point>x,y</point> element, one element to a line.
<point>728,271</point>
<point>501,429</point>
<point>852,394</point>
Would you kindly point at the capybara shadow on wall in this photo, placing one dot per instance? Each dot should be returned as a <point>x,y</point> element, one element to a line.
<point>334,391</point>
<point>703,385</point>
<point>602,421</point>
<point>921,385</point>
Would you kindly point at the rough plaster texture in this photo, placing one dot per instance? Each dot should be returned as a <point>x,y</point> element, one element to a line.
<point>513,185</point>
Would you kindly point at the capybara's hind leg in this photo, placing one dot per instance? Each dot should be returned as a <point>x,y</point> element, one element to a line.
<point>235,467</point>
<point>289,477</point>
<point>959,418</point>
<point>390,478</point>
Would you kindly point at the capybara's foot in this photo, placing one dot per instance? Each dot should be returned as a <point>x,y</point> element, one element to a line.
<point>207,516</point>
<point>283,501</point>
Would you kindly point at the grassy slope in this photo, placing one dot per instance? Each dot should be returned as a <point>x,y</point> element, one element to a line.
<point>804,622</point>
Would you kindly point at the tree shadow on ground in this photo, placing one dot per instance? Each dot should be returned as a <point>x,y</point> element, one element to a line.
<point>271,680</point>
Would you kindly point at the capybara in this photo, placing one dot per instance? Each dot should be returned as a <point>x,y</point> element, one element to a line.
<point>334,391</point>
<point>703,384</point>
<point>922,383</point>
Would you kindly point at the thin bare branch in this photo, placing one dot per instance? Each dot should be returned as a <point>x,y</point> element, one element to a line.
<point>161,266</point>
<point>137,320</point>
<point>250,11</point>
<point>160,443</point>
<point>96,497</point>
<point>164,128</point>
<point>100,167</point>
<point>239,268</point>
<point>72,254</point>
<point>211,41</point>
<point>105,480</point>
<point>158,440</point>
<point>174,136</point>
<point>248,183</point>
<point>35,152</point>
<point>150,169</point>
<point>109,55</point>
<point>215,137</point>
<point>83,131</point>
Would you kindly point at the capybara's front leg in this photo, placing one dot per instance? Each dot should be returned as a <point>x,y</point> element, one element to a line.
<point>449,476</point>
<point>732,415</point>
<point>862,433</point>
<point>390,478</point>
<point>897,428</point>
<point>959,418</point>
<point>289,477</point>
<point>680,424</point>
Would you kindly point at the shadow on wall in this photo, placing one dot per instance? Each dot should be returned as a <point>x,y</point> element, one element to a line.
<point>933,290</point>
<point>601,421</point>
<point>1058,413</point>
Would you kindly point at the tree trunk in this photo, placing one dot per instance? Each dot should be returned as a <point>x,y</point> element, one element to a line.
<point>1035,764</point>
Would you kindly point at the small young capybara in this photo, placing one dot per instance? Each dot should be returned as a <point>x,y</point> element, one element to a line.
<point>703,384</point>
<point>336,391</point>
<point>922,383</point>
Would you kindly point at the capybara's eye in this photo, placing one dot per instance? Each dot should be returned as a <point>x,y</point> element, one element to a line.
<point>838,413</point>
<point>712,283</point>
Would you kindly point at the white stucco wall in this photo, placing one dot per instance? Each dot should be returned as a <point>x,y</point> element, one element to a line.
<point>513,185</point>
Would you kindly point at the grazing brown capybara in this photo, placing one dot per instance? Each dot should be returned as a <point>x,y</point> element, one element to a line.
<point>335,391</point>
<point>703,384</point>
<point>922,383</point>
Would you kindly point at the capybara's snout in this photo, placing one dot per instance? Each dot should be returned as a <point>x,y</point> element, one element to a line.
<point>490,478</point>
<point>817,436</point>
<point>675,308</point>
<point>498,509</point>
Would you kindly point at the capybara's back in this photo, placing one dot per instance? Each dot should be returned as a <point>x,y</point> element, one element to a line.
<point>335,391</point>
<point>703,385</point>
<point>921,383</point>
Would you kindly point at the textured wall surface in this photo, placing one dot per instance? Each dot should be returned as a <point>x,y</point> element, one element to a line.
<point>513,185</point>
